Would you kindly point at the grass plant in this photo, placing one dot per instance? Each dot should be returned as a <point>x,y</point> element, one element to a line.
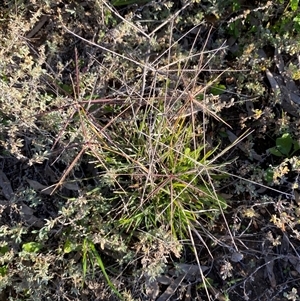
<point>115,140</point>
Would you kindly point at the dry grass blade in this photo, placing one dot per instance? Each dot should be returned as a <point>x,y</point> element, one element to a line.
<point>68,170</point>
<point>237,141</point>
<point>169,20</point>
<point>106,49</point>
<point>132,25</point>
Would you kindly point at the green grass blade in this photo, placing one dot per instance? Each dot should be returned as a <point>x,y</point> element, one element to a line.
<point>101,265</point>
<point>84,258</point>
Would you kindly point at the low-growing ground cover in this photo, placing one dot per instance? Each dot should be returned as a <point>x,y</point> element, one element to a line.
<point>149,150</point>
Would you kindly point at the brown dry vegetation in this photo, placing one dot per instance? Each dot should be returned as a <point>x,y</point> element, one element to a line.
<point>149,150</point>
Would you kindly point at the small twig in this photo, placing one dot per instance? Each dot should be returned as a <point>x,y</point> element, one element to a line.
<point>68,170</point>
